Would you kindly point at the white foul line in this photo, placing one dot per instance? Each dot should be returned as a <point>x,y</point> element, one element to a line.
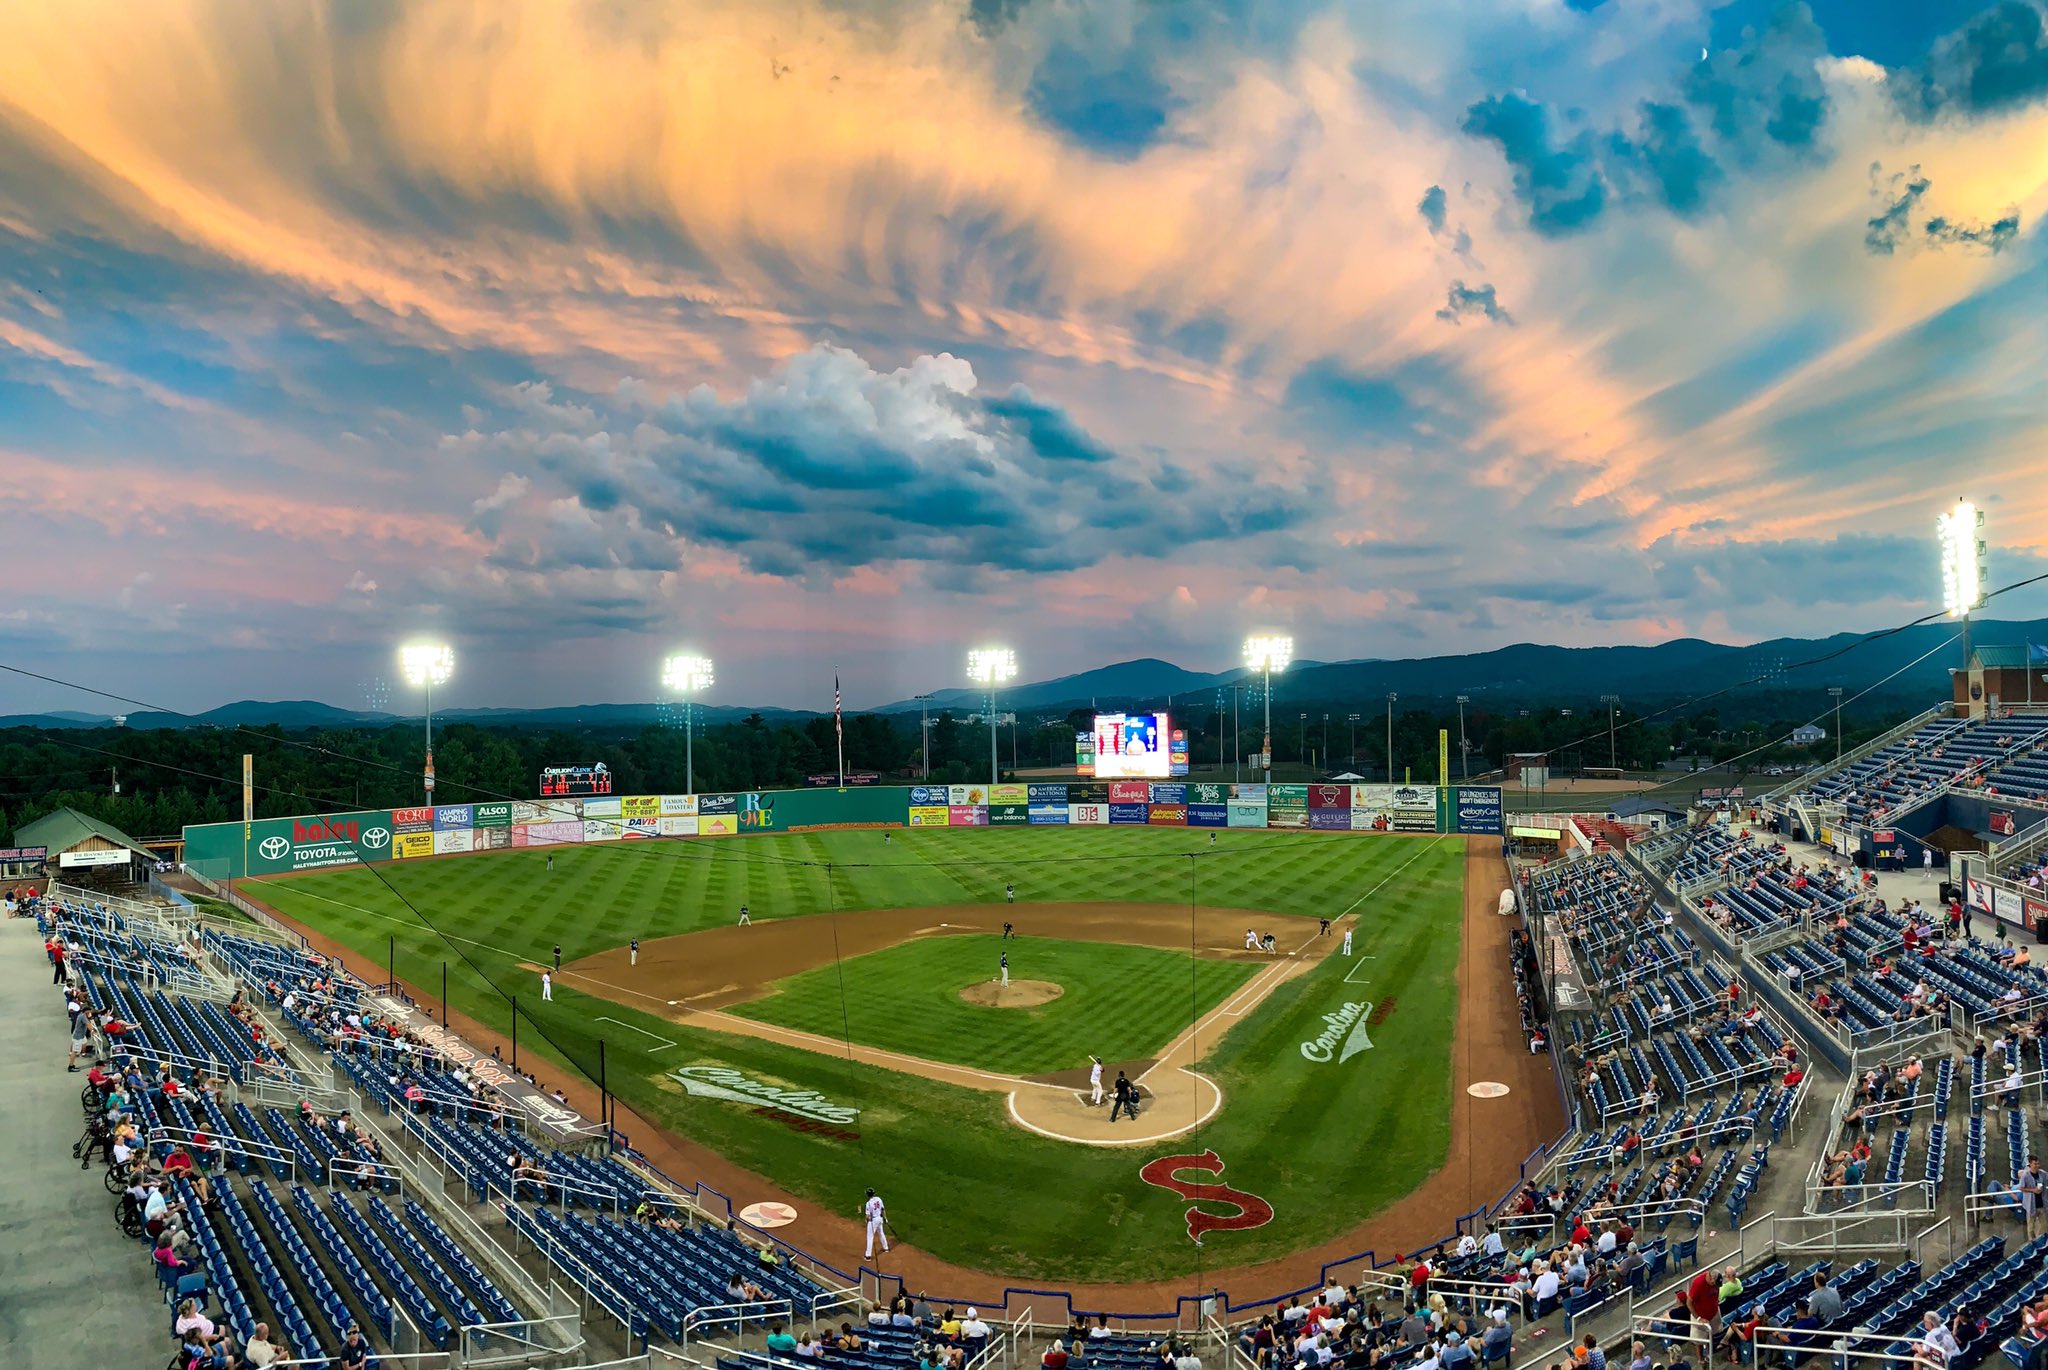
<point>1390,875</point>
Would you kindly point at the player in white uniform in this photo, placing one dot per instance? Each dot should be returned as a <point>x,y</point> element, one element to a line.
<point>547,987</point>
<point>1095,1080</point>
<point>1347,941</point>
<point>1251,940</point>
<point>876,1226</point>
<point>1006,969</point>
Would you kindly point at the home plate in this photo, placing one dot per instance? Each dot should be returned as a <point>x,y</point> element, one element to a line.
<point>768,1215</point>
<point>1486,1089</point>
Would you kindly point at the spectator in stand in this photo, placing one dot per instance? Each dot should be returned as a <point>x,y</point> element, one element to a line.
<point>1703,1300</point>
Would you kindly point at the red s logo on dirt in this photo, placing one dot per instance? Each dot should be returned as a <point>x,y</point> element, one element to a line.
<point>1252,1211</point>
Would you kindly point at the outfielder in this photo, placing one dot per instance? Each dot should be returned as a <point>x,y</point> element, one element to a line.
<point>877,1226</point>
<point>1009,894</point>
<point>1095,1081</point>
<point>744,920</point>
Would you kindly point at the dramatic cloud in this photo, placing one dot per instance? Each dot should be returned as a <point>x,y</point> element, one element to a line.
<point>806,329</point>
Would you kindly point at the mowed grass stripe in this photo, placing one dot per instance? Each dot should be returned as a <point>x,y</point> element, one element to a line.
<point>1120,1002</point>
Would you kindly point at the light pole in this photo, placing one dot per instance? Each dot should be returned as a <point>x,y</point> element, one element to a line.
<point>1267,653</point>
<point>1612,702</point>
<point>427,664</point>
<point>1304,739</point>
<point>1236,737</point>
<point>1354,740</point>
<point>924,732</point>
<point>1962,567</point>
<point>1326,742</point>
<point>990,667</point>
<point>1464,748</point>
<point>687,675</point>
<point>1836,692</point>
<point>1391,697</point>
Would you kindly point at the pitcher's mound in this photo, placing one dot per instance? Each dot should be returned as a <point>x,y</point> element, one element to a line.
<point>1016,994</point>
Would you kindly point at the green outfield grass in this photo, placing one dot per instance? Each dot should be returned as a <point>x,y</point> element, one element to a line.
<point>1327,1143</point>
<point>1120,1002</point>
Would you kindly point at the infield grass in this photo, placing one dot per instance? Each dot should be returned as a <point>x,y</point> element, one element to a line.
<point>1119,1002</point>
<point>1328,1144</point>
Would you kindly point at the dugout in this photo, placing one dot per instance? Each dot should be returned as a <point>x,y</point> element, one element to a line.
<point>81,850</point>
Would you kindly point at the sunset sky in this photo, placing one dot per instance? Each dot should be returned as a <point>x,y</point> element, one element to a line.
<point>848,335</point>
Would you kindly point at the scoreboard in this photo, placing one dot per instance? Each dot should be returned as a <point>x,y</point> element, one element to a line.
<point>573,782</point>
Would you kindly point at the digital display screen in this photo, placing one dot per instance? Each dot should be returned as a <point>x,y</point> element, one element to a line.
<point>1132,747</point>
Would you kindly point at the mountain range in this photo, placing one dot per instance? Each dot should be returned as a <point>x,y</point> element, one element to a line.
<point>1909,664</point>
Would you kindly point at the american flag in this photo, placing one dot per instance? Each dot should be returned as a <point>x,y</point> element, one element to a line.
<point>838,728</point>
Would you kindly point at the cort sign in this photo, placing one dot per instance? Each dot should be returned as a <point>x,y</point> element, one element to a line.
<point>1343,1035</point>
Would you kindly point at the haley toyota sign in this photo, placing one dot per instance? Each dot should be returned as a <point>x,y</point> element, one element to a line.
<point>279,846</point>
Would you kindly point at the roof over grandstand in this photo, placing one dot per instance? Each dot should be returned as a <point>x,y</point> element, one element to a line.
<point>66,828</point>
<point>2007,658</point>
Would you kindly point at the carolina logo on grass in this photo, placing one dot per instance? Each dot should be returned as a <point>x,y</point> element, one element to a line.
<point>717,1082</point>
<point>1252,1211</point>
<point>1343,1035</point>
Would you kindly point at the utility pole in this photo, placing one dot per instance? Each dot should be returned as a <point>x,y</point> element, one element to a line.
<point>1326,742</point>
<point>1836,691</point>
<point>1304,739</point>
<point>1354,741</point>
<point>1612,702</point>
<point>924,730</point>
<point>1391,697</point>
<point>1464,747</point>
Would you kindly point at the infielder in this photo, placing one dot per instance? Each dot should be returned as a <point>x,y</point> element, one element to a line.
<point>1251,940</point>
<point>547,987</point>
<point>1095,1081</point>
<point>1009,894</point>
<point>633,948</point>
<point>744,920</point>
<point>1347,941</point>
<point>877,1227</point>
<point>1006,969</point>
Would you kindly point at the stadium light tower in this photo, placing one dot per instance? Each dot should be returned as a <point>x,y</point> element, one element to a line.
<point>1267,653</point>
<point>1962,565</point>
<point>427,664</point>
<point>1391,697</point>
<point>989,667</point>
<point>1612,702</point>
<point>1354,739</point>
<point>1835,691</point>
<point>687,676</point>
<point>1464,747</point>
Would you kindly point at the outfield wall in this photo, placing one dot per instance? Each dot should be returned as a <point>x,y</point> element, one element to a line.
<point>280,846</point>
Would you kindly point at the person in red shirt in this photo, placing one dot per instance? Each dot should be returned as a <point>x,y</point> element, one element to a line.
<point>1418,1278</point>
<point>1703,1297</point>
<point>1734,991</point>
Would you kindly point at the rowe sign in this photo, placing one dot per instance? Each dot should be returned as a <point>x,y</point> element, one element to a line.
<point>278,846</point>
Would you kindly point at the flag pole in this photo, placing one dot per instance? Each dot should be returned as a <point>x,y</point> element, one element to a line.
<point>838,729</point>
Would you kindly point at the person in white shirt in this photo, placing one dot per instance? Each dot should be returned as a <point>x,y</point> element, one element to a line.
<point>877,1227</point>
<point>1935,1345</point>
<point>259,1350</point>
<point>1468,1245</point>
<point>1607,1242</point>
<point>974,1329</point>
<point>1492,1246</point>
<point>1546,1285</point>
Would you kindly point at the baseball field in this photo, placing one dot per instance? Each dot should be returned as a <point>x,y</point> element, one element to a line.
<point>856,1033</point>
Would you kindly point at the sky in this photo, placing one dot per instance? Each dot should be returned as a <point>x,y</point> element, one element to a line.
<point>834,336</point>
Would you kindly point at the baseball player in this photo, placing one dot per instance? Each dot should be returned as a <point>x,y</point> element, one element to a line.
<point>1009,931</point>
<point>877,1227</point>
<point>1251,940</point>
<point>551,860</point>
<point>558,956</point>
<point>633,952</point>
<point>1006,969</point>
<point>744,920</point>
<point>1212,839</point>
<point>1347,941</point>
<point>1272,945</point>
<point>1009,894</point>
<point>547,987</point>
<point>1095,1081</point>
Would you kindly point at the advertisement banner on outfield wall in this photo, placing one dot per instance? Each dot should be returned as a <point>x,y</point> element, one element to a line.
<point>1049,813</point>
<point>929,815</point>
<point>676,806</point>
<point>553,834</point>
<point>2005,904</point>
<point>967,794</point>
<point>1167,815</point>
<point>412,820</point>
<point>2036,912</point>
<point>524,812</point>
<point>676,825</point>
<point>601,829</point>
<point>1088,813</point>
<point>709,804</point>
<point>1130,792</point>
<point>1046,794</point>
<point>1286,796</point>
<point>928,796</point>
<point>640,806</point>
<point>757,812</point>
<point>966,816</point>
<point>1246,813</point>
<point>1478,810</point>
<point>639,827</point>
<point>407,845</point>
<point>1129,813</point>
<point>493,839</point>
<point>277,846</point>
<point>607,807</point>
<point>449,817</point>
<point>453,841</point>
<point>1169,792</point>
<point>717,824</point>
<point>1006,815</point>
<point>1208,794</point>
<point>1249,793</point>
<point>1208,815</point>
<point>1329,797</point>
<point>1094,792</point>
<point>1395,808</point>
<point>497,815</point>
<point>1330,820</point>
<point>1009,794</point>
<point>1286,818</point>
